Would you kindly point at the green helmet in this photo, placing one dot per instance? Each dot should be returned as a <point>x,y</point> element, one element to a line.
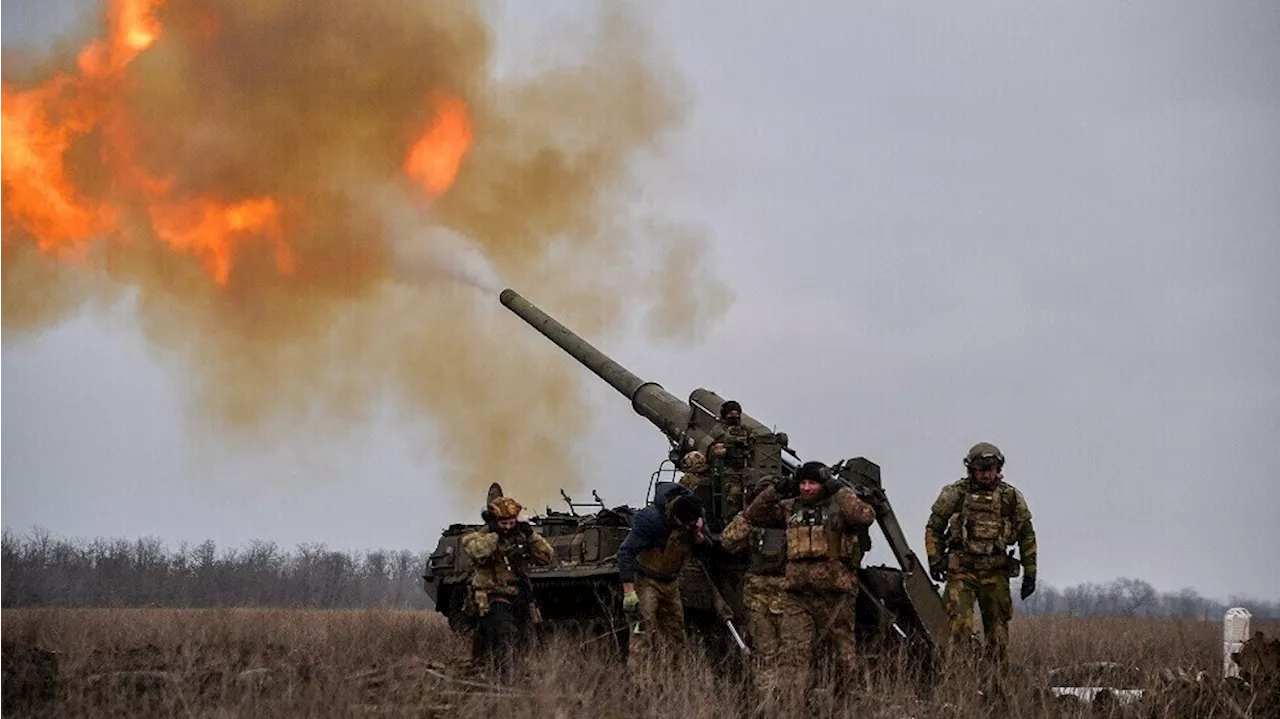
<point>984,453</point>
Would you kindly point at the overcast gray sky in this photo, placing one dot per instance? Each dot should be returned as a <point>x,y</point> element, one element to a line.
<point>1055,228</point>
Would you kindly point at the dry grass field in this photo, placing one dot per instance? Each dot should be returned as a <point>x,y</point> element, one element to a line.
<point>352,663</point>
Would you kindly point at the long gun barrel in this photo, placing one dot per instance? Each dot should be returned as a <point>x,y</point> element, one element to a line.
<point>693,425</point>
<point>649,399</point>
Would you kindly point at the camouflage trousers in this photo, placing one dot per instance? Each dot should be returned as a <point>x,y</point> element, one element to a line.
<point>990,589</point>
<point>807,622</point>
<point>767,602</point>
<point>661,618</point>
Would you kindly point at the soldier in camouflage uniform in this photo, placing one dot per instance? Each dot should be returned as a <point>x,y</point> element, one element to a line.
<point>823,554</point>
<point>971,523</point>
<point>732,454</point>
<point>697,478</point>
<point>500,553</point>
<point>767,602</point>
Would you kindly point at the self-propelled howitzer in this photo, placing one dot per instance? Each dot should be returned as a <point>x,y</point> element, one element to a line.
<point>899,601</point>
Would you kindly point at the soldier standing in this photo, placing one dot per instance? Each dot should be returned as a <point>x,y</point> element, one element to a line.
<point>734,455</point>
<point>766,600</point>
<point>663,537</point>
<point>971,523</point>
<point>500,586</point>
<point>823,554</point>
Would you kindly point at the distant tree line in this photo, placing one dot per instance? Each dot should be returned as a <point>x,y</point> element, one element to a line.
<point>1126,597</point>
<point>41,570</point>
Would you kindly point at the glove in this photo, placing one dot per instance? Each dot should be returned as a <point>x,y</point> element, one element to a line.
<point>525,529</point>
<point>833,485</point>
<point>1028,585</point>
<point>631,602</point>
<point>490,522</point>
<point>938,569</point>
<point>786,487</point>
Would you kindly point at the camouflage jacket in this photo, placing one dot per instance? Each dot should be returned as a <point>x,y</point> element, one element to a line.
<point>739,442</point>
<point>491,556</point>
<point>823,551</point>
<point>975,524</point>
<point>694,480</point>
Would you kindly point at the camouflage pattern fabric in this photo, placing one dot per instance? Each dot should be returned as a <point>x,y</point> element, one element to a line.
<point>493,572</point>
<point>835,568</point>
<point>974,524</point>
<point>504,612</point>
<point>661,616</point>
<point>735,535</point>
<point>991,592</point>
<point>943,530</point>
<point>769,605</point>
<point>809,620</point>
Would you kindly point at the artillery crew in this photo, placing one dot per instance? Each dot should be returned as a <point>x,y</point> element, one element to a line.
<point>663,537</point>
<point>822,519</point>
<point>970,525</point>
<point>502,594</point>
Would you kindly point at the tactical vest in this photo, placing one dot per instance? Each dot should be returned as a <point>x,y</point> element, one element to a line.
<point>767,551</point>
<point>982,528</point>
<point>810,538</point>
<point>739,452</point>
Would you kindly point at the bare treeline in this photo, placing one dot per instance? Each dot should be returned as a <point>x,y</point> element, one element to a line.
<point>41,570</point>
<point>1126,597</point>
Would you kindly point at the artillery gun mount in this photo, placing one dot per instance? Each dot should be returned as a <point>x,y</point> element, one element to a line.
<point>898,607</point>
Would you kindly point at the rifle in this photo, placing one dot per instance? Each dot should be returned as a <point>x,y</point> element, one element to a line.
<point>521,566</point>
<point>722,608</point>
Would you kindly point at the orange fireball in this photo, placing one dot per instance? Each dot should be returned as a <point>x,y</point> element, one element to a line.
<point>42,126</point>
<point>435,158</point>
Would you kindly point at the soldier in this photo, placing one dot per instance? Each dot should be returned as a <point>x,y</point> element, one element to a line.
<point>767,602</point>
<point>823,554</point>
<point>971,523</point>
<point>733,451</point>
<point>663,537</point>
<point>697,472</point>
<point>500,586</point>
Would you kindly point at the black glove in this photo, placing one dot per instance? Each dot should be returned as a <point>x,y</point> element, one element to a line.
<point>938,569</point>
<point>490,521</point>
<point>786,487</point>
<point>833,485</point>
<point>525,529</point>
<point>1028,585</point>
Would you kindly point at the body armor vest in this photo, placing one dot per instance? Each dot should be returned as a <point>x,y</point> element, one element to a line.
<point>809,538</point>
<point>739,452</point>
<point>982,527</point>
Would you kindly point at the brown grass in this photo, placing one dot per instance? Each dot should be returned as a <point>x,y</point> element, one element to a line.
<point>284,663</point>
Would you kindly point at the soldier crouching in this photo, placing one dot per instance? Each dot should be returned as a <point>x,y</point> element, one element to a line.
<point>823,554</point>
<point>500,553</point>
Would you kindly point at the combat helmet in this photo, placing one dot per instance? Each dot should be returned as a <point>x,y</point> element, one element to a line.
<point>694,462</point>
<point>984,455</point>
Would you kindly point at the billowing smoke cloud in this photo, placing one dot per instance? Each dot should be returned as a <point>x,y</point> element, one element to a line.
<point>240,167</point>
